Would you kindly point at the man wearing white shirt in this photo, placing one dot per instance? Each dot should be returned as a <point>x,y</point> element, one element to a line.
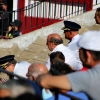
<point>8,63</point>
<point>71,33</point>
<point>21,68</point>
<point>55,43</point>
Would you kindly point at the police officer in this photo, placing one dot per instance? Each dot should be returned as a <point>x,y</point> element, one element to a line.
<point>71,33</point>
<point>14,30</point>
<point>4,18</point>
<point>8,63</point>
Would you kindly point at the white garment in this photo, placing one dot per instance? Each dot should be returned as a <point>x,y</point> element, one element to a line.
<point>20,33</point>
<point>46,95</point>
<point>74,47</point>
<point>70,57</point>
<point>21,68</point>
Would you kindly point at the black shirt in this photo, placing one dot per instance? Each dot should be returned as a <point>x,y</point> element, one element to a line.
<point>15,33</point>
<point>4,22</point>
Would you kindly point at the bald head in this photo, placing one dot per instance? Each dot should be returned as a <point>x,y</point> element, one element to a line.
<point>36,69</point>
<point>53,40</point>
<point>54,35</point>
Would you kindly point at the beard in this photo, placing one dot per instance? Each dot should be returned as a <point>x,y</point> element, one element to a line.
<point>86,65</point>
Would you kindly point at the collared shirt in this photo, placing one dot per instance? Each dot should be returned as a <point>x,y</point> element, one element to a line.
<point>21,68</point>
<point>73,46</point>
<point>74,41</point>
<point>70,57</point>
<point>86,81</point>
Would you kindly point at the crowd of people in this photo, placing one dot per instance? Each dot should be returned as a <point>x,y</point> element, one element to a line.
<point>63,72</point>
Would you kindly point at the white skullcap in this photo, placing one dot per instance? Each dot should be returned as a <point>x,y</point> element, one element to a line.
<point>90,40</point>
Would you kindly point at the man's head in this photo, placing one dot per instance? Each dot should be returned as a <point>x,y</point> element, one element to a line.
<point>56,57</point>
<point>3,4</point>
<point>16,24</point>
<point>70,29</point>
<point>35,70</point>
<point>60,68</point>
<point>53,40</point>
<point>89,48</point>
<point>97,16</point>
<point>8,62</point>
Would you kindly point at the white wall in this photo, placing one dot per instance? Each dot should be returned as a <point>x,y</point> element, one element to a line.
<point>94,2</point>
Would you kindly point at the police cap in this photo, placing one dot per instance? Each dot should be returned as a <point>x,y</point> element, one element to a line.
<point>4,61</point>
<point>71,26</point>
<point>16,23</point>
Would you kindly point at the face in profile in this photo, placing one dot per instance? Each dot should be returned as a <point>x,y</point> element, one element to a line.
<point>84,58</point>
<point>67,35</point>
<point>10,68</point>
<point>49,44</point>
<point>4,7</point>
<point>97,18</point>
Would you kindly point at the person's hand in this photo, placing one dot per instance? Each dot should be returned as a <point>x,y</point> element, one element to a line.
<point>6,37</point>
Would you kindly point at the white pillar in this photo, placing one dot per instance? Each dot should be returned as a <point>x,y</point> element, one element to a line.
<point>15,8</point>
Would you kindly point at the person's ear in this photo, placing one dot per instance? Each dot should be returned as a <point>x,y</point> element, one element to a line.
<point>89,56</point>
<point>52,44</point>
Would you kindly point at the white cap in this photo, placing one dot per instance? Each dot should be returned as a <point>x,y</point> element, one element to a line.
<point>90,40</point>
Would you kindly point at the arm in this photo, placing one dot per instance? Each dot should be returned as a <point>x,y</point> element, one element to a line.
<point>49,81</point>
<point>9,29</point>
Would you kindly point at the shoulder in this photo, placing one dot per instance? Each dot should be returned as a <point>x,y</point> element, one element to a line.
<point>77,73</point>
<point>24,63</point>
<point>78,77</point>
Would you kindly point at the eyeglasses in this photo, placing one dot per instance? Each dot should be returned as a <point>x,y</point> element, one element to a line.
<point>28,75</point>
<point>31,77</point>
